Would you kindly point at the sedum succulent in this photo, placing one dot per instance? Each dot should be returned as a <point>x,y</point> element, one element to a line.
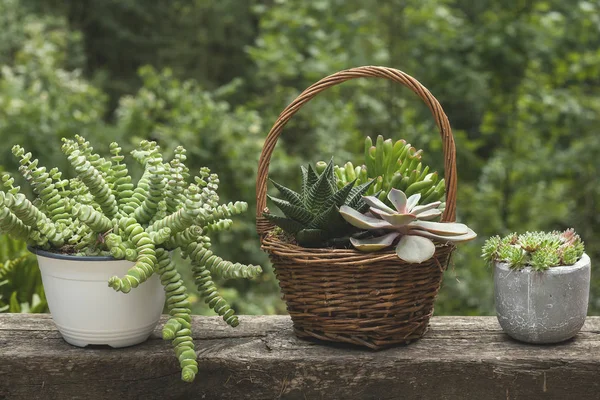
<point>312,216</point>
<point>103,212</point>
<point>538,250</point>
<point>407,225</point>
<point>395,165</point>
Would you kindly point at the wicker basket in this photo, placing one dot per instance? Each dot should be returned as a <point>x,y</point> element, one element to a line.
<point>343,295</point>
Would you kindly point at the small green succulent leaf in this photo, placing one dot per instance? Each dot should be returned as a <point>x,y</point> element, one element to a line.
<point>441,228</point>
<point>398,200</point>
<point>320,166</point>
<point>415,249</point>
<point>569,256</point>
<point>374,244</point>
<point>287,224</point>
<point>363,221</point>
<point>542,260</point>
<point>489,251</point>
<point>288,194</point>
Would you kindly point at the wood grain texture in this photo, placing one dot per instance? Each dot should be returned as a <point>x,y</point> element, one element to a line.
<point>459,358</point>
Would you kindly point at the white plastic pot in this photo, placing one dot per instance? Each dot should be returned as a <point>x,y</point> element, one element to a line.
<point>87,311</point>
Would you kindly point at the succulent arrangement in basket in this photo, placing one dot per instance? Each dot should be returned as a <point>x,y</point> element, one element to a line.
<point>102,212</point>
<point>335,290</point>
<point>334,210</point>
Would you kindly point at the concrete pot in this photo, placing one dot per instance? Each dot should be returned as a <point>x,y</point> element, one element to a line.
<point>87,311</point>
<point>542,307</point>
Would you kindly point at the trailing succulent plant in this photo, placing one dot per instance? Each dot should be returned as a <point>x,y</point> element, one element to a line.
<point>102,212</point>
<point>407,226</point>
<point>393,166</point>
<point>312,216</point>
<point>538,250</point>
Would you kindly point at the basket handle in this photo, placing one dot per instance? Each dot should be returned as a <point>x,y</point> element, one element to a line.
<point>441,120</point>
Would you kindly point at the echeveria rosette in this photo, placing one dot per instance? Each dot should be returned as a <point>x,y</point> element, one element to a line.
<point>408,225</point>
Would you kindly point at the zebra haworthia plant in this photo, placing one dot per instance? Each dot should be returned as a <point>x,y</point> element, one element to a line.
<point>312,216</point>
<point>102,212</point>
<point>407,224</point>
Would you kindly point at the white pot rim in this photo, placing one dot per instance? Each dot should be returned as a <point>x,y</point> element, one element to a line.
<point>68,257</point>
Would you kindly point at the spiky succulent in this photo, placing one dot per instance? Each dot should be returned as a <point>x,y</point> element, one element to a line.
<point>538,250</point>
<point>393,165</point>
<point>407,225</point>
<point>312,215</point>
<point>102,212</point>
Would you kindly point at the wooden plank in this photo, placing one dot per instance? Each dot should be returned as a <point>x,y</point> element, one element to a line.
<point>459,358</point>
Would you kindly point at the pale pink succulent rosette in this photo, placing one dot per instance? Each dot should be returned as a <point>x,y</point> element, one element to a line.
<point>409,222</point>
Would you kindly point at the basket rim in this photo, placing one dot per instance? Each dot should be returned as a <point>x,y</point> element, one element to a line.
<point>272,244</point>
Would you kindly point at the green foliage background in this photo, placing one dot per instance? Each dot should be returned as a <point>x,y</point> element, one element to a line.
<point>520,82</point>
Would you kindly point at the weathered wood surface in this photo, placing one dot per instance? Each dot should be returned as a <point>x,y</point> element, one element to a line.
<point>459,358</point>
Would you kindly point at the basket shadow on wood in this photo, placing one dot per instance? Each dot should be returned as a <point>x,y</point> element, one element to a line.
<point>343,295</point>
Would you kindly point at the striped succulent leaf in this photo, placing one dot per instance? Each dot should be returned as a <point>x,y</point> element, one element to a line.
<point>312,216</point>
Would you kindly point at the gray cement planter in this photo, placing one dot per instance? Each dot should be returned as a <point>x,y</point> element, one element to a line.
<point>542,307</point>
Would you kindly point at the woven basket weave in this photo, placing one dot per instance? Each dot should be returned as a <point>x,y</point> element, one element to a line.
<point>343,295</point>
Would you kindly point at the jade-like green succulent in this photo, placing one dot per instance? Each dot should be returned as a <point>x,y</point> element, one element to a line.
<point>409,224</point>
<point>395,165</point>
<point>312,216</point>
<point>102,212</point>
<point>538,250</point>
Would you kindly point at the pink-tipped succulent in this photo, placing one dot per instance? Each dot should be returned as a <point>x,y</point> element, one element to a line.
<point>409,223</point>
